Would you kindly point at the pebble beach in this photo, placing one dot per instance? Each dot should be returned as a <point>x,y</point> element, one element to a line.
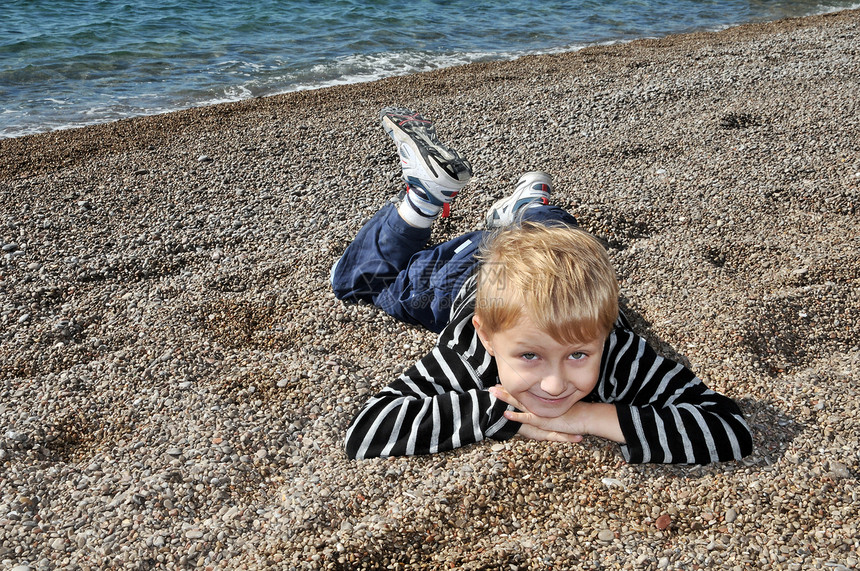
<point>176,377</point>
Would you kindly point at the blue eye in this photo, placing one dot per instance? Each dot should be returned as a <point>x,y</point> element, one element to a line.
<point>529,356</point>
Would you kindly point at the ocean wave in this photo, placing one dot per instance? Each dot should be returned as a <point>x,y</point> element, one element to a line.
<point>119,60</point>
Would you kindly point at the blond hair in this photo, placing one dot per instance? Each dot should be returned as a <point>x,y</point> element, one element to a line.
<point>559,277</point>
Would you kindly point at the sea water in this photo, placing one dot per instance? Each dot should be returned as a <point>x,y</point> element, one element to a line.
<point>67,63</point>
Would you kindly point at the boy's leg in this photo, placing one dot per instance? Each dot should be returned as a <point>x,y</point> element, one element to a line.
<point>549,215</point>
<point>379,252</point>
<point>377,265</point>
<point>529,201</point>
<point>424,291</point>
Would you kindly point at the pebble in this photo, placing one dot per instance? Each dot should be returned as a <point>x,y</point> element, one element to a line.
<point>612,482</point>
<point>839,470</point>
<point>606,535</point>
<point>176,376</point>
<point>15,436</point>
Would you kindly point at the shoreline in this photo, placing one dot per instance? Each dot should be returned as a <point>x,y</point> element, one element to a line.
<point>176,377</point>
<point>94,106</point>
<point>14,152</point>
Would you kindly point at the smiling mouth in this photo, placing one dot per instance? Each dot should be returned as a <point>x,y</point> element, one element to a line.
<point>548,400</point>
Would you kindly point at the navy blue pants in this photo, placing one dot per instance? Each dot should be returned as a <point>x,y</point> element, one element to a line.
<point>389,265</point>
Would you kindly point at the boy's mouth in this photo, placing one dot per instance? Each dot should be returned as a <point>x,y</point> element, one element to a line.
<point>550,400</point>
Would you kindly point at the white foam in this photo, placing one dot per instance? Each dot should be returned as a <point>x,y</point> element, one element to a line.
<point>361,68</point>
<point>257,79</point>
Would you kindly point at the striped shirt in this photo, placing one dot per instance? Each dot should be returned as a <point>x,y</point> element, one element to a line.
<point>666,413</point>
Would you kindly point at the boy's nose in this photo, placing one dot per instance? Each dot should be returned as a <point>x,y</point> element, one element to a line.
<point>552,384</point>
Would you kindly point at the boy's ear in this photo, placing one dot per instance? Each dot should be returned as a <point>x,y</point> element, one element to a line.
<point>486,340</point>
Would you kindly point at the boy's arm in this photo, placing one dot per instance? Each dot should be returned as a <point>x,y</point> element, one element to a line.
<point>593,418</point>
<point>665,412</point>
<point>438,404</point>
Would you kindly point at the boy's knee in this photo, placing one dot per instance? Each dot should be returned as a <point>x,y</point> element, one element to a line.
<point>332,277</point>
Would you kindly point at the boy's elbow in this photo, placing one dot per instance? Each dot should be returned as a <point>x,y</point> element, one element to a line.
<point>746,443</point>
<point>736,445</point>
<point>356,448</point>
<point>352,447</point>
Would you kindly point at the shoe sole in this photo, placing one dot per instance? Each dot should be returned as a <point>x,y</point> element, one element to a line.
<point>409,127</point>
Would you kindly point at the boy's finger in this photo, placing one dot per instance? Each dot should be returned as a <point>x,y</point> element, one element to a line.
<point>523,417</point>
<point>534,433</point>
<point>563,437</point>
<point>549,428</point>
<point>503,395</point>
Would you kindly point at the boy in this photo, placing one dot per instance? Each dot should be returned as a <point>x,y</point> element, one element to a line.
<point>532,341</point>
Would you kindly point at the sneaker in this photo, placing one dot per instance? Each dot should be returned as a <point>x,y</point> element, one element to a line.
<point>532,189</point>
<point>434,173</point>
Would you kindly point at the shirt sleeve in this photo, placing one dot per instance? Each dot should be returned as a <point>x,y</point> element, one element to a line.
<point>438,404</point>
<point>667,414</point>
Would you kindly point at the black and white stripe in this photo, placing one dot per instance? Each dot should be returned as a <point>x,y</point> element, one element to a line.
<point>667,414</point>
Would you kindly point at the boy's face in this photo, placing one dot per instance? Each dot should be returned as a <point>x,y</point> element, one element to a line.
<point>545,376</point>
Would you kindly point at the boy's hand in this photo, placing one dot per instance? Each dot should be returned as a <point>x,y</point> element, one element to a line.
<point>598,419</point>
<point>533,426</point>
